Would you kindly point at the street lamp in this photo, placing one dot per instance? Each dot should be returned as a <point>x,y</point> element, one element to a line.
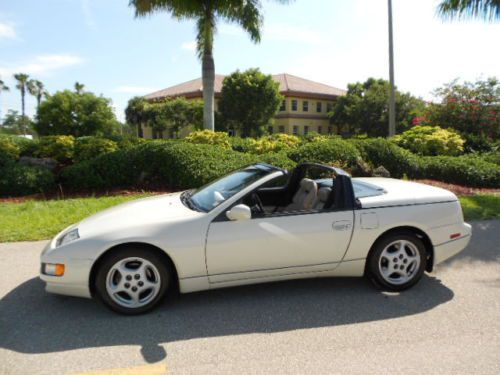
<point>392,99</point>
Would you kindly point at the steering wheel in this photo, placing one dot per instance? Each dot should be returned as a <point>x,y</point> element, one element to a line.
<point>258,203</point>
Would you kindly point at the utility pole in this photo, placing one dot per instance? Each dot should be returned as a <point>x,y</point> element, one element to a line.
<point>392,98</point>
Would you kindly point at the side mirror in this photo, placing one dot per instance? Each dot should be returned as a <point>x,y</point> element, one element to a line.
<point>239,212</point>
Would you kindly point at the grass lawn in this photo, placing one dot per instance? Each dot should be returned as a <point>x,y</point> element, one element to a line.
<point>481,206</point>
<point>39,220</point>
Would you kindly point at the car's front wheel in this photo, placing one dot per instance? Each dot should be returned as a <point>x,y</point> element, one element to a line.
<point>132,281</point>
<point>397,261</point>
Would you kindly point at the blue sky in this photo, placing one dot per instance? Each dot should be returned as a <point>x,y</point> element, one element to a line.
<point>100,44</point>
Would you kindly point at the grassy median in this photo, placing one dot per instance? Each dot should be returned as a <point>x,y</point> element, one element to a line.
<point>39,220</point>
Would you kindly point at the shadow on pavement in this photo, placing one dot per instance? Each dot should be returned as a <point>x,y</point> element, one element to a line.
<point>32,321</point>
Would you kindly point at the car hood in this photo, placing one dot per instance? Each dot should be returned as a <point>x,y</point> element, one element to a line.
<point>141,212</point>
<point>392,192</point>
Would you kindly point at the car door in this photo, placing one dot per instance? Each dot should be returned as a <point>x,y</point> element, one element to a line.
<point>276,245</point>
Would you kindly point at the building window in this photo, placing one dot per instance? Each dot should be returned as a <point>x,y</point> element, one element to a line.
<point>319,107</point>
<point>283,106</point>
<point>270,129</point>
<point>329,107</point>
<point>330,130</point>
<point>294,105</point>
<point>305,106</point>
<point>295,129</point>
<point>281,129</point>
<point>231,132</point>
<point>306,130</point>
<point>320,129</point>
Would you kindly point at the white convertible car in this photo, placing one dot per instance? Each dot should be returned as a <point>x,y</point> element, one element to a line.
<point>257,224</point>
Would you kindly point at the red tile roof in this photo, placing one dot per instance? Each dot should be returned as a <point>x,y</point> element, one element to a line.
<point>289,84</point>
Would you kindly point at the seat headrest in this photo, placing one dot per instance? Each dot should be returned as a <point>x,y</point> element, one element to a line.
<point>324,193</point>
<point>308,184</point>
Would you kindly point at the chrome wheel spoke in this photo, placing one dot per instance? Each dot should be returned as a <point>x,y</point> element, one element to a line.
<point>399,261</point>
<point>133,282</point>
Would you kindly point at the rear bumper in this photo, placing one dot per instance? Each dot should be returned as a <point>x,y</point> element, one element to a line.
<point>448,249</point>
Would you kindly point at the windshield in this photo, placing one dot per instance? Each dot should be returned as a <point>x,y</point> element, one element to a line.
<point>210,196</point>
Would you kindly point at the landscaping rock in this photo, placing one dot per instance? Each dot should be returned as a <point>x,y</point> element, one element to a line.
<point>50,164</point>
<point>381,172</point>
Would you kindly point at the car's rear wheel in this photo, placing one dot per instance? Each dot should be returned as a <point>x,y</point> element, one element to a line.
<point>132,281</point>
<point>397,261</point>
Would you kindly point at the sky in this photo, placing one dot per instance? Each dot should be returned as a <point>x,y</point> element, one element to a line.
<point>99,43</point>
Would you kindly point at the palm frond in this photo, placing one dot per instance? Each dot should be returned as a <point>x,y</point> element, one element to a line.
<point>469,9</point>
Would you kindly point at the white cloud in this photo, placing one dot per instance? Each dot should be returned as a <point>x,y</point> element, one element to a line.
<point>42,64</point>
<point>189,46</point>
<point>134,90</point>
<point>7,31</point>
<point>88,15</point>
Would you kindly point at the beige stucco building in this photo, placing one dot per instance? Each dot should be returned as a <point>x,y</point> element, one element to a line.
<point>304,108</point>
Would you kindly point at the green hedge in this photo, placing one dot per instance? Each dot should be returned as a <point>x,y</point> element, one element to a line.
<point>168,164</point>
<point>332,151</point>
<point>20,180</point>
<point>87,148</point>
<point>381,152</point>
<point>460,170</point>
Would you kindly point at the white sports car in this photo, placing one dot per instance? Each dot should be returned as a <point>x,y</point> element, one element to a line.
<point>255,225</point>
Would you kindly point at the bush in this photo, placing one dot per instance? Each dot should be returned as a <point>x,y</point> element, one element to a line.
<point>381,152</point>
<point>431,141</point>
<point>209,137</point>
<point>27,147</point>
<point>9,151</point>
<point>278,159</point>
<point>334,151</point>
<point>169,164</point>
<point>241,144</point>
<point>20,179</point>
<point>90,147</point>
<point>58,147</point>
<point>461,170</point>
<point>273,143</point>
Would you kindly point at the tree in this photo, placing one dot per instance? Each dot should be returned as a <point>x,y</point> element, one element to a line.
<point>135,113</point>
<point>363,110</point>
<point>249,101</point>
<point>37,89</point>
<point>171,115</point>
<point>485,9</point>
<point>3,87</point>
<point>79,88</point>
<point>246,13</point>
<point>69,113</point>
<point>472,108</point>
<point>22,81</point>
<point>14,123</point>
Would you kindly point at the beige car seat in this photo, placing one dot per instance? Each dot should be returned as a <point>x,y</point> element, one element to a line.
<point>305,197</point>
<point>323,194</point>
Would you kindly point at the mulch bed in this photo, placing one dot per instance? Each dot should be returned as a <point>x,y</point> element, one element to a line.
<point>81,194</point>
<point>459,189</point>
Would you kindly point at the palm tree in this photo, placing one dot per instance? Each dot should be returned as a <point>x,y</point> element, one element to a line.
<point>79,88</point>
<point>3,87</point>
<point>486,9</point>
<point>246,13</point>
<point>22,82</point>
<point>37,89</point>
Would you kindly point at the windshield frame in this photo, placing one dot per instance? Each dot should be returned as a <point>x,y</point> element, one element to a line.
<point>266,169</point>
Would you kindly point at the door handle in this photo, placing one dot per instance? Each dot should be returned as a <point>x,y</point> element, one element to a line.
<point>342,225</point>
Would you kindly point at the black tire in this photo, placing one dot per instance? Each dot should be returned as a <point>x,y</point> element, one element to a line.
<point>376,261</point>
<point>164,272</point>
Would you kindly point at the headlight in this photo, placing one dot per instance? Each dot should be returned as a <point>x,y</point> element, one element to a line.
<point>66,238</point>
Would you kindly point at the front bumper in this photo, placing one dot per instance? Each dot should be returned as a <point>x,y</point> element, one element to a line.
<point>448,249</point>
<point>74,282</point>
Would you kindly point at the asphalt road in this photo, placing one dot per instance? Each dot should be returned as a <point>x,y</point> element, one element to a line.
<point>448,323</point>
